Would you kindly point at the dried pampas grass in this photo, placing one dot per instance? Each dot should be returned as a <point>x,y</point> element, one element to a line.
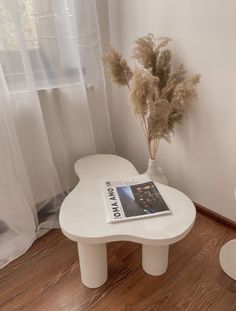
<point>146,51</point>
<point>119,71</point>
<point>159,94</point>
<point>142,89</point>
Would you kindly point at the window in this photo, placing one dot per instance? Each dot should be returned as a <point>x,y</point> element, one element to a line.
<point>7,31</point>
<point>40,36</point>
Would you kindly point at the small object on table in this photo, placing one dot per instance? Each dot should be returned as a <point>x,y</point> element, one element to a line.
<point>133,198</point>
<point>82,219</point>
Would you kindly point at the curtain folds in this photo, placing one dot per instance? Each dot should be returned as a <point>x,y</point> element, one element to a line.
<point>50,53</point>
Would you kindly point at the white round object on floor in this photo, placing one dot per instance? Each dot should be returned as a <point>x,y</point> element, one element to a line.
<point>228,258</point>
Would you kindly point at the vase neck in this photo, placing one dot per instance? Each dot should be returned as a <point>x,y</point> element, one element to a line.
<point>152,164</point>
<point>152,160</point>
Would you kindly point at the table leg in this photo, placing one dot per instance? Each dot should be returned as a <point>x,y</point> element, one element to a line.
<point>155,259</point>
<point>93,264</point>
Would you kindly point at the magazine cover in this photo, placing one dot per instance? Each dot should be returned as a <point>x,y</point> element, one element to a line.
<point>133,199</point>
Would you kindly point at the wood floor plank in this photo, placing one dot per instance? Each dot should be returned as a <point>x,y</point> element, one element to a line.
<point>47,277</point>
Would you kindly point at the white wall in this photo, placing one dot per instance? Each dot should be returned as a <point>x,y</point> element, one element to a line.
<point>201,160</point>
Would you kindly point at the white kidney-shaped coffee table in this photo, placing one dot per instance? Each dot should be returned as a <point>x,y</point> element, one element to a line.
<point>82,219</point>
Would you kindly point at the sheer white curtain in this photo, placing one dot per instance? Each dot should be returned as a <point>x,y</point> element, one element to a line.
<point>53,110</point>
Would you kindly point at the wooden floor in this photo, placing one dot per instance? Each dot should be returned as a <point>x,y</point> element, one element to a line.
<point>47,277</point>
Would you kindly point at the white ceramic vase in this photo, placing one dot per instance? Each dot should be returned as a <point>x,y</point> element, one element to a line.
<point>155,172</point>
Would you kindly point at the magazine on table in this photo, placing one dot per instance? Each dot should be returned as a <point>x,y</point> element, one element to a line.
<point>134,198</point>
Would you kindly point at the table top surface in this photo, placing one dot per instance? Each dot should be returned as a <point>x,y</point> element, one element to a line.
<point>82,215</point>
